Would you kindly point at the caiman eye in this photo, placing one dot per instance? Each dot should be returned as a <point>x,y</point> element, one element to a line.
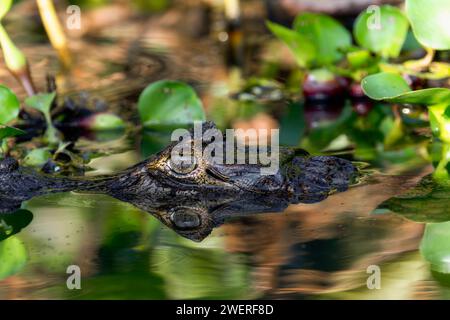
<point>183,165</point>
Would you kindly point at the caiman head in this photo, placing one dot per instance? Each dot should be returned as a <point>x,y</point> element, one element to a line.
<point>299,177</point>
<point>198,173</point>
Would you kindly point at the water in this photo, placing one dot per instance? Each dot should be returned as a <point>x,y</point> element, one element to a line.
<point>312,251</point>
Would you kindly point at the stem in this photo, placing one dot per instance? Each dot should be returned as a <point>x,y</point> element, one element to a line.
<point>51,132</point>
<point>54,30</point>
<point>422,63</point>
<point>16,62</point>
<point>441,174</point>
<point>14,58</point>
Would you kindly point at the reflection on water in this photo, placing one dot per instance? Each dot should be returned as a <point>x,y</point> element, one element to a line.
<point>316,250</point>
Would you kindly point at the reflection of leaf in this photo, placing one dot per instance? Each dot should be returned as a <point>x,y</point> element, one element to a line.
<point>126,285</point>
<point>153,142</point>
<point>292,125</point>
<point>430,22</point>
<point>388,37</point>
<point>320,137</point>
<point>13,257</point>
<point>427,202</point>
<point>329,37</point>
<point>435,246</point>
<point>205,273</point>
<point>12,223</point>
<point>169,103</point>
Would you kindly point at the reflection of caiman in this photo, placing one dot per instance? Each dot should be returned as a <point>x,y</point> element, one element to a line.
<point>159,182</point>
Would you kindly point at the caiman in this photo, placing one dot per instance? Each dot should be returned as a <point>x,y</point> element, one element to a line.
<point>158,183</point>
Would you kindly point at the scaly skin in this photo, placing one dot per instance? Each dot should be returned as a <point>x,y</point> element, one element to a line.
<point>154,186</point>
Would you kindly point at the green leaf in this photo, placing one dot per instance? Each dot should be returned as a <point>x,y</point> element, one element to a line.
<point>303,50</point>
<point>327,35</point>
<point>382,32</point>
<point>5,5</point>
<point>429,201</point>
<point>430,22</point>
<point>384,85</point>
<point>13,257</point>
<point>9,105</point>
<point>6,132</point>
<point>106,121</point>
<point>393,88</point>
<point>359,58</point>
<point>169,103</point>
<point>41,102</point>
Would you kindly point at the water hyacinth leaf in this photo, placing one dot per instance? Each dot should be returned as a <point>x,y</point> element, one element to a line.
<point>5,5</point>
<point>13,257</point>
<point>327,35</point>
<point>430,22</point>
<point>6,132</point>
<point>384,85</point>
<point>435,246</point>
<point>301,47</point>
<point>393,88</point>
<point>9,105</point>
<point>106,121</point>
<point>41,102</point>
<point>169,103</point>
<point>382,31</point>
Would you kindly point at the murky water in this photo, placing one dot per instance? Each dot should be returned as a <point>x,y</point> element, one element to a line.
<point>324,250</point>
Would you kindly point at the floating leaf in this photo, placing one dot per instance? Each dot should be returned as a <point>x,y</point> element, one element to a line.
<point>382,32</point>
<point>13,257</point>
<point>303,50</point>
<point>37,157</point>
<point>9,105</point>
<point>169,103</point>
<point>327,35</point>
<point>106,121</point>
<point>430,22</point>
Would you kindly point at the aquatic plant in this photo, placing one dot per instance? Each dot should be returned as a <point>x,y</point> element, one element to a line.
<point>431,29</point>
<point>168,103</point>
<point>15,59</point>
<point>323,48</point>
<point>54,31</point>
<point>43,103</point>
<point>9,112</point>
